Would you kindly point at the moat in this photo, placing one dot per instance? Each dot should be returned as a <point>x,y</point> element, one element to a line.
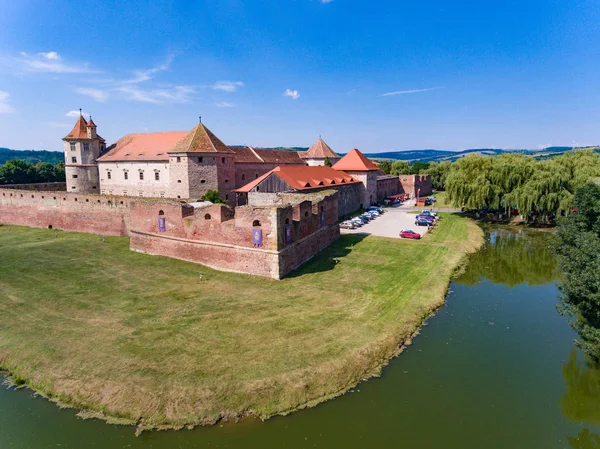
<point>495,368</point>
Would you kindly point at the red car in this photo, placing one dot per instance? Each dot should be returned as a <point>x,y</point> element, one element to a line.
<point>408,234</point>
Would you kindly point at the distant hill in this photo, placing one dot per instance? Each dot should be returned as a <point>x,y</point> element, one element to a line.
<point>33,156</point>
<point>447,155</point>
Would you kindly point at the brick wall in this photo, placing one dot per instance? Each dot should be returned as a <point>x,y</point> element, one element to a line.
<point>46,186</point>
<point>412,183</point>
<point>95,214</point>
<point>387,186</point>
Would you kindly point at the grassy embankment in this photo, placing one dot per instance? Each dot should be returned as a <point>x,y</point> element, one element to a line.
<point>139,339</point>
<point>442,200</point>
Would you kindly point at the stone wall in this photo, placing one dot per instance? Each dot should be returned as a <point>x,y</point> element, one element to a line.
<point>411,184</point>
<point>45,186</point>
<point>95,214</point>
<point>387,186</point>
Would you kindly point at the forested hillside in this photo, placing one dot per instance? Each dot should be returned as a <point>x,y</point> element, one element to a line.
<point>33,156</point>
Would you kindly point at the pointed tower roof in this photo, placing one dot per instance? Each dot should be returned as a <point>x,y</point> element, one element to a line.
<point>355,161</point>
<point>91,123</point>
<point>79,131</point>
<point>319,150</point>
<point>200,140</point>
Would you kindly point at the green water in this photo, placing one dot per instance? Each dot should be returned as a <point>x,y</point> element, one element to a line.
<point>495,368</point>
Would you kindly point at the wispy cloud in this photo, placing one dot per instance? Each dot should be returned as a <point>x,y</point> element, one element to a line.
<point>5,107</point>
<point>224,104</point>
<point>148,74</point>
<point>163,95</point>
<point>413,91</point>
<point>227,86</point>
<point>76,114</point>
<point>325,1</point>
<point>96,94</point>
<point>293,94</point>
<point>49,62</point>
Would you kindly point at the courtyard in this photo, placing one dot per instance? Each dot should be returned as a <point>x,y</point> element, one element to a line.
<point>390,224</point>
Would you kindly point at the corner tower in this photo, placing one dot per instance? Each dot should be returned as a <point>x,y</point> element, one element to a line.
<point>201,162</point>
<point>361,168</point>
<point>319,153</point>
<point>82,147</point>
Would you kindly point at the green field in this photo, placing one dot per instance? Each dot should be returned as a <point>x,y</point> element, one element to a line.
<point>140,339</point>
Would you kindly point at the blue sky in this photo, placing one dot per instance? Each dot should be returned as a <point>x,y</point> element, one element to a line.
<point>378,75</point>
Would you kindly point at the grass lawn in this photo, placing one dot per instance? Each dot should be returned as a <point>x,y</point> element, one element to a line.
<point>442,202</point>
<point>136,338</point>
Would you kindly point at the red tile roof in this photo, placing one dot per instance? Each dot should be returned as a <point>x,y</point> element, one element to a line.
<point>79,131</point>
<point>354,161</point>
<point>304,177</point>
<point>279,157</point>
<point>200,140</point>
<point>91,122</point>
<point>143,147</point>
<point>249,155</point>
<point>319,150</point>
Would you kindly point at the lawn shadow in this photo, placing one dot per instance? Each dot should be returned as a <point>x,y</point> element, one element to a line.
<point>328,258</point>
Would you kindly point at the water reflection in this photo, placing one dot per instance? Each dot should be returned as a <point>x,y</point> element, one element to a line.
<point>581,402</point>
<point>585,440</point>
<point>512,257</point>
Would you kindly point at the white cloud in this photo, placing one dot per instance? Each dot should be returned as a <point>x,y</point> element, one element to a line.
<point>413,91</point>
<point>325,1</point>
<point>227,86</point>
<point>96,94</point>
<point>175,94</point>
<point>145,75</point>
<point>51,55</point>
<point>76,114</point>
<point>293,94</point>
<point>5,108</point>
<point>224,104</point>
<point>49,62</point>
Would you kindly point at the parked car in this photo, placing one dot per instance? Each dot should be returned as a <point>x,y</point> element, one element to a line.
<point>347,225</point>
<point>423,222</point>
<point>429,213</point>
<point>375,209</point>
<point>362,219</point>
<point>408,234</point>
<point>433,199</point>
<point>429,218</point>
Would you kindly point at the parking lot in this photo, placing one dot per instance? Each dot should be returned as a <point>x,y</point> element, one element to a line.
<point>389,224</point>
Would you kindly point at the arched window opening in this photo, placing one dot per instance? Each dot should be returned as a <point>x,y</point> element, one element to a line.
<point>256,223</point>
<point>161,212</point>
<point>306,214</point>
<point>207,217</point>
<point>287,221</point>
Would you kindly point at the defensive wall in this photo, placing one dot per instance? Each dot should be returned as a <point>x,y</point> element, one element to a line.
<point>45,186</point>
<point>96,214</point>
<point>387,186</point>
<point>267,241</point>
<point>416,184</point>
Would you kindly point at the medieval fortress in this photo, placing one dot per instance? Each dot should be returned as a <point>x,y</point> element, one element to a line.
<point>279,207</point>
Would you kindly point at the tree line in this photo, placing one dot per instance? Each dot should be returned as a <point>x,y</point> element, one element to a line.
<point>17,171</point>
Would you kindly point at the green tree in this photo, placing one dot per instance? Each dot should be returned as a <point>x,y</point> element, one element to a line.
<point>399,168</point>
<point>385,167</point>
<point>439,172</point>
<point>578,253</point>
<point>327,162</point>
<point>17,172</point>
<point>212,196</point>
<point>418,167</point>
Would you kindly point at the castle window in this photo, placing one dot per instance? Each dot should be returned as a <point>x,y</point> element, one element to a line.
<point>161,212</point>
<point>207,217</point>
<point>101,148</point>
<point>125,175</point>
<point>86,147</point>
<point>179,181</point>
<point>227,180</point>
<point>108,175</point>
<point>226,197</point>
<point>124,192</point>
<point>74,176</point>
<point>178,159</point>
<point>157,176</point>
<point>74,160</point>
<point>223,160</point>
<point>256,223</point>
<point>141,176</point>
<point>287,221</point>
<point>255,175</point>
<point>199,160</point>
<point>140,193</point>
<point>162,194</point>
<point>243,177</point>
<point>306,214</point>
<point>72,145</point>
<point>202,181</point>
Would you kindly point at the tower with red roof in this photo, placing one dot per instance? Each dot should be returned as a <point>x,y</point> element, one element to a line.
<point>360,167</point>
<point>82,147</point>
